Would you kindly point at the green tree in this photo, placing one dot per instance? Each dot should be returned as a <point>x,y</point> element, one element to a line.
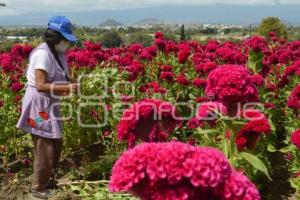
<point>111,39</point>
<point>140,37</point>
<point>182,33</point>
<point>272,24</point>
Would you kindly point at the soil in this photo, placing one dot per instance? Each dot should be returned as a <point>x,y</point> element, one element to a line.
<point>16,185</point>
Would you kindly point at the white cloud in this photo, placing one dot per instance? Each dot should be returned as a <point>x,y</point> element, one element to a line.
<point>24,6</point>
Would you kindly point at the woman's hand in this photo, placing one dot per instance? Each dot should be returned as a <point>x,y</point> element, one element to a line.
<point>42,85</point>
<point>74,87</point>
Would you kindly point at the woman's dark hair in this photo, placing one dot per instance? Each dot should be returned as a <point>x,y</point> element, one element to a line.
<point>52,38</point>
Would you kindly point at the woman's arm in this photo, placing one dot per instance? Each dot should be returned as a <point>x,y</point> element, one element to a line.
<point>42,84</point>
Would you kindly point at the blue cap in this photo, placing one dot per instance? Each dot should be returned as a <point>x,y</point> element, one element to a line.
<point>62,25</point>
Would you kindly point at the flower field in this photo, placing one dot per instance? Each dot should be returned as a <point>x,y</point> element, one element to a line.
<point>175,120</point>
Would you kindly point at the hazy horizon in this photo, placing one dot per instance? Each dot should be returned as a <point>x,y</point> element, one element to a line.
<point>94,12</point>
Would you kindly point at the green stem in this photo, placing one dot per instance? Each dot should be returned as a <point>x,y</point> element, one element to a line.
<point>231,149</point>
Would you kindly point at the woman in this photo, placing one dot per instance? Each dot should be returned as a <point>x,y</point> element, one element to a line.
<point>47,79</point>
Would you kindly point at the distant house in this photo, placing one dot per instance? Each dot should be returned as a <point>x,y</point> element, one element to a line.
<point>22,38</point>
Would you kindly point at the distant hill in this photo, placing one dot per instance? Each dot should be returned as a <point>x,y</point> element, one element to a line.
<point>111,23</point>
<point>151,21</point>
<point>227,14</point>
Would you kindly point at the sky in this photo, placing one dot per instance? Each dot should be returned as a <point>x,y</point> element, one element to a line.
<point>16,7</point>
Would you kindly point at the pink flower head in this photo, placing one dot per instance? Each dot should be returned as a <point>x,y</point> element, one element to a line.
<point>16,86</point>
<point>135,69</point>
<point>289,72</point>
<point>256,43</point>
<point>231,84</point>
<point>90,46</point>
<point>166,68</point>
<point>135,48</point>
<point>269,105</point>
<point>199,83</point>
<point>150,120</point>
<point>159,35</point>
<point>207,112</point>
<point>206,67</point>
<point>249,134</point>
<point>295,138</point>
<point>257,80</point>
<point>167,75</point>
<point>1,103</point>
<point>238,187</point>
<point>184,53</point>
<point>181,79</point>
<point>272,34</point>
<point>175,170</point>
<point>160,43</point>
<point>294,99</point>
<point>6,62</point>
<point>152,87</point>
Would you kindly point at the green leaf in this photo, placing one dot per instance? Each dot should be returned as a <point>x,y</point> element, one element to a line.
<point>75,188</point>
<point>255,162</point>
<point>287,149</point>
<point>271,148</point>
<point>207,131</point>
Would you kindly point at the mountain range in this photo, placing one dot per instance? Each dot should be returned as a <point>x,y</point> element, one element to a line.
<point>221,14</point>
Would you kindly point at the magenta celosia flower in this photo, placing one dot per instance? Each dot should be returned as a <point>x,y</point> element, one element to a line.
<point>126,99</point>
<point>174,170</point>
<point>21,51</point>
<point>167,75</point>
<point>16,86</point>
<point>160,43</point>
<point>152,87</point>
<point>256,43</point>
<point>171,46</point>
<point>159,35</point>
<point>181,79</point>
<point>294,99</point>
<point>272,34</point>
<point>231,84</point>
<point>148,53</point>
<point>257,79</point>
<point>238,187</point>
<point>17,99</point>
<point>94,113</point>
<point>201,99</point>
<point>289,72</point>
<point>90,46</point>
<point>7,63</point>
<point>212,45</point>
<point>81,59</point>
<point>207,112</point>
<point>295,138</point>
<point>149,120</point>
<point>249,134</point>
<point>135,69</point>
<point>206,67</point>
<point>135,47</point>
<point>184,53</point>
<point>269,105</point>
<point>166,68</point>
<point>199,83</point>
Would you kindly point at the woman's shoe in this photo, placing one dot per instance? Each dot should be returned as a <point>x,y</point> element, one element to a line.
<point>46,194</point>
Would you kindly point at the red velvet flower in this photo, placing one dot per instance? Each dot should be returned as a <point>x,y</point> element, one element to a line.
<point>150,120</point>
